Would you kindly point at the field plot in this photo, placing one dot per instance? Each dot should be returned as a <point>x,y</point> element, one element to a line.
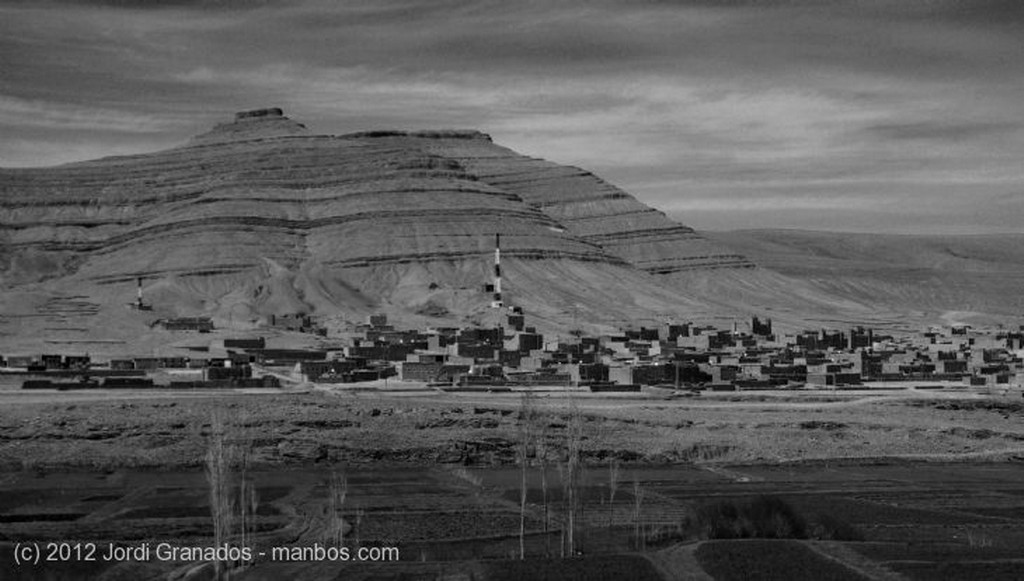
<point>915,520</point>
<point>987,570</point>
<point>871,479</point>
<point>757,560</point>
<point>599,568</point>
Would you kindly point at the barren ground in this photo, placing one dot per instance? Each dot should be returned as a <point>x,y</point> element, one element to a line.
<point>162,430</point>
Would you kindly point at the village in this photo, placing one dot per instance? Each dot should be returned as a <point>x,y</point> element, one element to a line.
<point>683,359</point>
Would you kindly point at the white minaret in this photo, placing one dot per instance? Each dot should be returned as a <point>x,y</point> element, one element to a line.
<point>497,303</point>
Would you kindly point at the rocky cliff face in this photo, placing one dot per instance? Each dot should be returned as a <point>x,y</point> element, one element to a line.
<point>260,216</point>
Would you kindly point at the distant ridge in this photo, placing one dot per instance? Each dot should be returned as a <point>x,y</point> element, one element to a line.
<point>973,279</point>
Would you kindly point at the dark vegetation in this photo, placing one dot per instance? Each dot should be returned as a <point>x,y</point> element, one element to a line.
<point>762,560</point>
<point>765,517</point>
<point>827,527</point>
<point>769,517</point>
<point>822,425</point>
<point>934,552</point>
<point>41,517</point>
<point>598,568</point>
<point>1004,407</point>
<point>959,571</point>
<point>165,512</point>
<point>859,511</point>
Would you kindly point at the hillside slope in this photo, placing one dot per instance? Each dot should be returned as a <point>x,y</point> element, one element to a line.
<point>971,279</point>
<point>261,217</point>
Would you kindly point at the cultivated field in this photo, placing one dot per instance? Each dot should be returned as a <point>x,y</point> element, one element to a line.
<point>878,485</point>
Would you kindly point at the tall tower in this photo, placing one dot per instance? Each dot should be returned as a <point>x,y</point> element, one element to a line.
<point>139,304</point>
<point>497,302</point>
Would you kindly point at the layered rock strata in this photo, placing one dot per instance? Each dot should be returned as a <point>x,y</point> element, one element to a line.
<point>261,216</point>
<point>222,206</point>
<point>589,208</point>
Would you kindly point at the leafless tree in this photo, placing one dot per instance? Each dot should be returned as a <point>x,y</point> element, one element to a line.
<point>337,491</point>
<point>527,413</point>
<point>638,500</point>
<point>613,485</point>
<point>218,476</point>
<point>573,465</point>
<point>248,500</point>
<point>542,455</point>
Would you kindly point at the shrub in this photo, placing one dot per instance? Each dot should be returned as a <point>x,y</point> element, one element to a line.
<point>765,517</point>
<point>829,528</point>
<point>590,568</point>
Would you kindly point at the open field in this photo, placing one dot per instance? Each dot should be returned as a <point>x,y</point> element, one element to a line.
<point>918,475</point>
<point>161,429</point>
<point>448,521</point>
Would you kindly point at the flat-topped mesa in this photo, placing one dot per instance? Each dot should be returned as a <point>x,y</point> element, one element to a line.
<point>264,123</point>
<point>257,113</point>
<point>423,133</point>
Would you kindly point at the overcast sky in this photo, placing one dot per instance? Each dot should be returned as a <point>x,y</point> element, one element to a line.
<point>856,115</point>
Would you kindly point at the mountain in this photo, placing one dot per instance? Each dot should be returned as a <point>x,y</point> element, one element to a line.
<point>260,216</point>
<point>940,279</point>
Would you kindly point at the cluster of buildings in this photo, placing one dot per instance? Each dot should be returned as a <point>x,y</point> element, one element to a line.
<point>81,372</point>
<point>513,355</point>
<point>670,355</point>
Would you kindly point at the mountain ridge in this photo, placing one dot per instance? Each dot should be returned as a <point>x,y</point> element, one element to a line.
<point>260,216</point>
<point>963,277</point>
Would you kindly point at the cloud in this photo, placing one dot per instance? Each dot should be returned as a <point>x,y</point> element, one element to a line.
<point>16,112</point>
<point>942,130</point>
<point>150,4</point>
<point>685,102</point>
<point>912,207</point>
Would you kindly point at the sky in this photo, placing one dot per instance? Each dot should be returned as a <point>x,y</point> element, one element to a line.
<point>896,116</point>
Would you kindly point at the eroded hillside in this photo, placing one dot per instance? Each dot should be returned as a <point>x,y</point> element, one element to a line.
<point>259,216</point>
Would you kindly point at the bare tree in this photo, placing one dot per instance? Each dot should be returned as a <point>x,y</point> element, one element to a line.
<point>359,519</point>
<point>638,500</point>
<point>218,476</point>
<point>337,491</point>
<point>613,485</point>
<point>526,421</point>
<point>574,442</point>
<point>542,454</point>
<point>248,500</point>
<point>563,480</point>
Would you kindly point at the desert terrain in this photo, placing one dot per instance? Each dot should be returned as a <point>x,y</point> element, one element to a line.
<point>947,280</point>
